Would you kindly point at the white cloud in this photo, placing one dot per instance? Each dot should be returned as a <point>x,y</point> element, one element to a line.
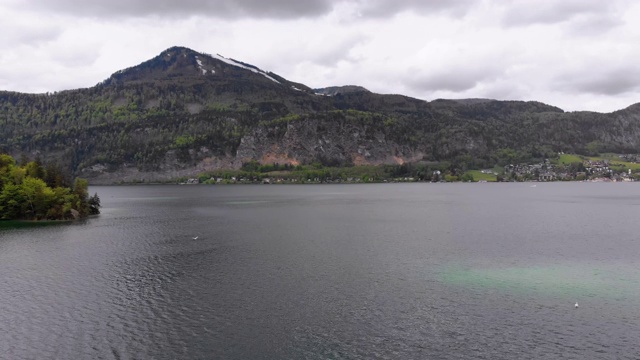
<point>578,55</point>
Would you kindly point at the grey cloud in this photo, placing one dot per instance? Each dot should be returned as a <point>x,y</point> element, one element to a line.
<point>444,82</point>
<point>317,52</point>
<point>272,9</point>
<point>32,35</point>
<point>282,9</point>
<point>612,82</point>
<point>75,57</point>
<point>386,8</point>
<point>504,91</point>
<point>335,52</point>
<point>522,13</point>
<point>454,80</point>
<point>594,25</point>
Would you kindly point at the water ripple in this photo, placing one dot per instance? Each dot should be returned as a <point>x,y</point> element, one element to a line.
<point>358,272</point>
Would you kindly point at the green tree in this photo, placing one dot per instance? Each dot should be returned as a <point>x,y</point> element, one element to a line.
<point>35,170</point>
<point>37,198</point>
<point>6,165</point>
<point>81,190</point>
<point>11,200</point>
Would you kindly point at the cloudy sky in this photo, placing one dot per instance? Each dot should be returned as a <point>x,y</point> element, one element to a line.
<point>575,54</point>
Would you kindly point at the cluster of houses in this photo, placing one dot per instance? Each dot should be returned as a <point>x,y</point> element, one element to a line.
<point>274,180</point>
<point>588,170</point>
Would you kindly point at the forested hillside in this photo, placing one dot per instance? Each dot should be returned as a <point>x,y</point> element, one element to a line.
<point>184,112</point>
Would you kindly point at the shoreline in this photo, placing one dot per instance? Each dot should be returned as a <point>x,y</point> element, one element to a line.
<point>356,183</point>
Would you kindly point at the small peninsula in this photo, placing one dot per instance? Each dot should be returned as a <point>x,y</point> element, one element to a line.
<point>32,191</point>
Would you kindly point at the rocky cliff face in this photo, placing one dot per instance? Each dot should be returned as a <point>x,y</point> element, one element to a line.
<point>330,142</point>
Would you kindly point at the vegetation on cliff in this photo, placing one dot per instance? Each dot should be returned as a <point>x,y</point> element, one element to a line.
<point>33,192</point>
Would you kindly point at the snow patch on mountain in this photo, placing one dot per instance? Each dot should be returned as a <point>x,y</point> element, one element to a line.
<point>237,64</point>
<point>204,71</point>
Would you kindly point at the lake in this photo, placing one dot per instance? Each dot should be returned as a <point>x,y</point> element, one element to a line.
<point>369,271</point>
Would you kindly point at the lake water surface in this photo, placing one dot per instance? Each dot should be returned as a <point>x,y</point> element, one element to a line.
<point>381,271</point>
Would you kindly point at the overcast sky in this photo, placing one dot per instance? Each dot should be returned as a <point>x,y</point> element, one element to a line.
<point>575,54</point>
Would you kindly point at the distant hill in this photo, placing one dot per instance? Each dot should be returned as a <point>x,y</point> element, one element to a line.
<point>184,112</point>
<point>335,90</point>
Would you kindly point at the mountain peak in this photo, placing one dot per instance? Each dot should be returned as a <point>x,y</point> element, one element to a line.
<point>181,64</point>
<point>177,49</point>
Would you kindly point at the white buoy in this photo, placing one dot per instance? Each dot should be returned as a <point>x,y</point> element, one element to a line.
<point>576,305</point>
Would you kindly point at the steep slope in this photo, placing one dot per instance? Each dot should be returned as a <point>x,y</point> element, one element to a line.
<point>183,112</point>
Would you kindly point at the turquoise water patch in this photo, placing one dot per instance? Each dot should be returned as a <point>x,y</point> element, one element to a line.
<point>575,280</point>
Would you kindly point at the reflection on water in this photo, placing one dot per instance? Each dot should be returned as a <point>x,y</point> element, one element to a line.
<point>395,271</point>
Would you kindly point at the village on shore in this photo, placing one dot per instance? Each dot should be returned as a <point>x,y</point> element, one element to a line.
<point>626,168</point>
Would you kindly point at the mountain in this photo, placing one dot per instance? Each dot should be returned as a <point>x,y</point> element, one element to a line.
<point>184,112</point>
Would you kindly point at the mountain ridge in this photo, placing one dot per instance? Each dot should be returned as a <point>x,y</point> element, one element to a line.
<point>183,112</point>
